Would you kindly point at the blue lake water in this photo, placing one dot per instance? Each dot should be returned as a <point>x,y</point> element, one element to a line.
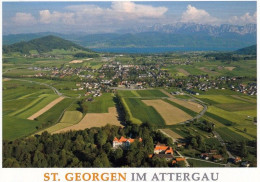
<point>159,49</point>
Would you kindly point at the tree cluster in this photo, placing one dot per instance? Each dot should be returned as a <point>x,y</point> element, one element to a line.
<point>85,148</point>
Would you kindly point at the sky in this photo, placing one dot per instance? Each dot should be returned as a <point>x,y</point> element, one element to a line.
<point>107,17</point>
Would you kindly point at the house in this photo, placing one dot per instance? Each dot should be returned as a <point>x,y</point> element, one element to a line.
<point>237,160</point>
<point>217,158</point>
<point>204,156</point>
<point>162,149</point>
<point>123,142</point>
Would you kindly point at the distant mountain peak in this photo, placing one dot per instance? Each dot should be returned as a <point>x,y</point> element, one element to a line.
<point>187,28</point>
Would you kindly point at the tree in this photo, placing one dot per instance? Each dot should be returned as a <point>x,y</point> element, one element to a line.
<point>243,151</point>
<point>194,142</point>
<point>101,138</point>
<point>11,162</point>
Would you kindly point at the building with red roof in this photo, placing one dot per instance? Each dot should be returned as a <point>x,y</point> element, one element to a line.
<point>162,149</point>
<point>124,142</point>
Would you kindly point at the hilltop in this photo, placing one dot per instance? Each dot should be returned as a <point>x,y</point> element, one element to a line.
<point>251,50</point>
<point>42,45</point>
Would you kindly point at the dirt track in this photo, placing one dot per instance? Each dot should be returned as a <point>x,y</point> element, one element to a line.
<point>170,114</point>
<point>46,108</point>
<point>95,120</point>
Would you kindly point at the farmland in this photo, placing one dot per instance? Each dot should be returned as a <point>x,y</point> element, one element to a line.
<point>171,115</point>
<point>144,113</point>
<point>187,96</point>
<point>100,104</point>
<point>93,120</point>
<point>69,118</point>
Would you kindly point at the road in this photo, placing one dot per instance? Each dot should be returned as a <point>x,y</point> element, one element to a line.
<point>53,88</point>
<point>173,139</point>
<point>222,143</point>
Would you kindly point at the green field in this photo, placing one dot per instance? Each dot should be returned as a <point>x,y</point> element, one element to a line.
<point>151,93</point>
<point>34,106</point>
<point>229,136</point>
<point>69,118</point>
<point>144,113</point>
<point>100,104</point>
<point>126,93</point>
<point>14,128</point>
<point>54,114</point>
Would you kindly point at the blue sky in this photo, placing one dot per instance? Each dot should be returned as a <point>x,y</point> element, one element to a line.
<point>96,17</point>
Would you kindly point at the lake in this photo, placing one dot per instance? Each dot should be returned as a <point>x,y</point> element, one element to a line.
<point>146,50</point>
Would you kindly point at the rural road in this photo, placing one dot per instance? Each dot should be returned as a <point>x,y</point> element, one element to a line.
<point>53,88</point>
<point>222,143</point>
<point>173,139</point>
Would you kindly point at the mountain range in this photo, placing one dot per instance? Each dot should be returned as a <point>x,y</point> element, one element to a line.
<point>177,35</point>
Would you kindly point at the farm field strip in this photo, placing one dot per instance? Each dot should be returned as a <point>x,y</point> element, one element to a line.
<point>34,102</point>
<point>46,108</point>
<point>238,119</point>
<point>38,106</point>
<point>95,120</point>
<point>142,112</point>
<point>182,108</point>
<point>221,99</point>
<point>188,104</point>
<point>170,114</point>
<point>55,113</point>
<point>151,93</point>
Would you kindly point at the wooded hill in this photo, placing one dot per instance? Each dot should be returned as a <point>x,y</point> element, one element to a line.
<point>42,45</point>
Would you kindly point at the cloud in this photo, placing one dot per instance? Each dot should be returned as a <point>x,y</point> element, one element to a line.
<point>118,11</point>
<point>23,19</point>
<point>138,10</point>
<point>47,17</point>
<point>244,19</point>
<point>194,15</point>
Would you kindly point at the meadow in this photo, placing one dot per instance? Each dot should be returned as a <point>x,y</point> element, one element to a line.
<point>69,118</point>
<point>100,104</point>
<point>151,93</point>
<point>144,113</point>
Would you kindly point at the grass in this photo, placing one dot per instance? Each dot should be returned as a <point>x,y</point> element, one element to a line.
<point>221,99</point>
<point>53,115</point>
<point>188,111</point>
<point>14,128</point>
<point>126,93</point>
<point>45,100</point>
<point>199,163</point>
<point>151,93</point>
<point>220,119</point>
<point>100,104</point>
<point>228,135</point>
<point>144,113</point>
<point>69,118</point>
<point>237,106</point>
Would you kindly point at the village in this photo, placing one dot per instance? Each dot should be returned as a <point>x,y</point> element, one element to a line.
<point>116,75</point>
